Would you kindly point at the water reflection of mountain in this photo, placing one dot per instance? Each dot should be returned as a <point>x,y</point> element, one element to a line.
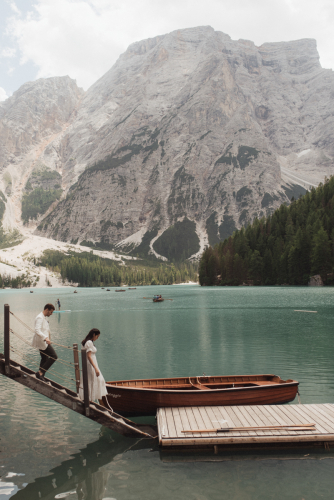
<point>80,477</point>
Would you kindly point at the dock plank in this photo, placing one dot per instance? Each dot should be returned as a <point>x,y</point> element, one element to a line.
<point>199,419</point>
<point>177,422</point>
<point>282,418</point>
<point>192,421</point>
<point>310,416</point>
<point>326,414</point>
<point>329,407</point>
<point>236,422</point>
<point>170,422</point>
<point>287,419</point>
<point>263,418</point>
<point>213,419</point>
<point>220,415</point>
<point>186,425</point>
<point>301,417</point>
<point>321,425</point>
<point>247,421</point>
<point>259,419</point>
<point>207,420</point>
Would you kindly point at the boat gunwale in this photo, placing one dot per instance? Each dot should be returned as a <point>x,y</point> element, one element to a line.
<point>196,377</point>
<point>202,391</point>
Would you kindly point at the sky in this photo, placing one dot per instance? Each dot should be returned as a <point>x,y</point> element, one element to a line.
<point>84,38</point>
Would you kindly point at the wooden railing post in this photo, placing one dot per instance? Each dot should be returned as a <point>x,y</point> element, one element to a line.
<point>7,340</point>
<point>76,366</point>
<point>85,380</point>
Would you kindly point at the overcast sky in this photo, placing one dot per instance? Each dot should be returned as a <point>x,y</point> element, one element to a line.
<point>83,38</point>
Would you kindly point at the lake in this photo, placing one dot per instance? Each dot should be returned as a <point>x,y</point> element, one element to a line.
<point>48,452</point>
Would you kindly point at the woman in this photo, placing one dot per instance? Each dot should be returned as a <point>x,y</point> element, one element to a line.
<point>96,383</point>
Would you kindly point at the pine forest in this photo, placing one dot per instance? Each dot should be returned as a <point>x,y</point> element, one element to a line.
<point>288,247</point>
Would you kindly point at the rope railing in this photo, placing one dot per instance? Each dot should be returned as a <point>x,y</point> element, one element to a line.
<point>78,370</point>
<point>33,361</point>
<point>25,356</point>
<point>33,331</point>
<point>62,361</point>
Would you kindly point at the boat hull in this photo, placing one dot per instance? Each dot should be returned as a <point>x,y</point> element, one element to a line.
<point>132,401</point>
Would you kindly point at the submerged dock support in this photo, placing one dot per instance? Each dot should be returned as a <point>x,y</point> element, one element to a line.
<point>85,380</point>
<point>7,339</point>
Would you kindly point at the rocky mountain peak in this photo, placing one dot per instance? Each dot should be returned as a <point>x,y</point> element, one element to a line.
<point>189,128</point>
<point>34,111</point>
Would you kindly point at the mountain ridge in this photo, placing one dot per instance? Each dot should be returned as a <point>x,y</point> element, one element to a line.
<point>195,125</point>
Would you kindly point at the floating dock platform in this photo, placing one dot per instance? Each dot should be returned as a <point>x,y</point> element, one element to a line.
<point>173,421</point>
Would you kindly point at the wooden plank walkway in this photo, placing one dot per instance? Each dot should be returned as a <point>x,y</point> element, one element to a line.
<point>67,397</point>
<point>172,421</point>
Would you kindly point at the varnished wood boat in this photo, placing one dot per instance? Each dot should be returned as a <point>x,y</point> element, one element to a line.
<point>160,299</point>
<point>121,290</point>
<point>133,398</point>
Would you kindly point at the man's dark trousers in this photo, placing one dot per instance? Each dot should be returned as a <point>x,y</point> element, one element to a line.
<point>48,357</point>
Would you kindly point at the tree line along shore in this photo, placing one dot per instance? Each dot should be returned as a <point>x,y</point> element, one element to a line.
<point>89,270</point>
<point>289,246</point>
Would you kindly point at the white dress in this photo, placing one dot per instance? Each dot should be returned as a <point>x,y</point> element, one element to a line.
<point>96,385</point>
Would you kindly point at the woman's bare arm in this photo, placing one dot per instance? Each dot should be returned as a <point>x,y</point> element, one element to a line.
<point>89,356</point>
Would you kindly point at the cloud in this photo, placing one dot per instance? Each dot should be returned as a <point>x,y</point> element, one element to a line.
<point>13,6</point>
<point>8,52</point>
<point>83,38</point>
<point>3,95</point>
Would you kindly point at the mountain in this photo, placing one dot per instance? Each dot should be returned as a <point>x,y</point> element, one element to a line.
<point>189,136</point>
<point>31,123</point>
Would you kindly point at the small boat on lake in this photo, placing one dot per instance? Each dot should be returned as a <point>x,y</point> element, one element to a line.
<point>134,398</point>
<point>121,290</point>
<point>158,298</point>
<point>132,288</point>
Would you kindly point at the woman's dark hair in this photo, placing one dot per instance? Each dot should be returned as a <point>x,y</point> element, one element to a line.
<point>94,331</point>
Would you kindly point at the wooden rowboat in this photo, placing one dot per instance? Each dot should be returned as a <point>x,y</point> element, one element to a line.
<point>160,299</point>
<point>133,398</point>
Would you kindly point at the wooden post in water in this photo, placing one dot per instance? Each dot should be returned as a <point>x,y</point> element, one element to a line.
<point>85,380</point>
<point>7,339</point>
<point>76,366</point>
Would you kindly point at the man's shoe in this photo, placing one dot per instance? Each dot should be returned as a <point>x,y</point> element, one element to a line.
<point>40,377</point>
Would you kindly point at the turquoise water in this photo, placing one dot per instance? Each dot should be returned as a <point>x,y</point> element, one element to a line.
<point>47,451</point>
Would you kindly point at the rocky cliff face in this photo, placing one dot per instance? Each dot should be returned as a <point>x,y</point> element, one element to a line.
<point>30,121</point>
<point>190,125</point>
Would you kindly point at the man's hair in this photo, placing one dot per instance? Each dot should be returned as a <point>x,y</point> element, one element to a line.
<point>50,307</point>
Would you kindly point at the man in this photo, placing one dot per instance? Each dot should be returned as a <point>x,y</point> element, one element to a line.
<point>42,341</point>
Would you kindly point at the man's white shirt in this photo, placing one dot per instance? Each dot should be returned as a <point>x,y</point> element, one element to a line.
<point>42,332</point>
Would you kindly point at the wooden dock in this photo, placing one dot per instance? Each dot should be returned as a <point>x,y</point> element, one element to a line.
<point>173,421</point>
